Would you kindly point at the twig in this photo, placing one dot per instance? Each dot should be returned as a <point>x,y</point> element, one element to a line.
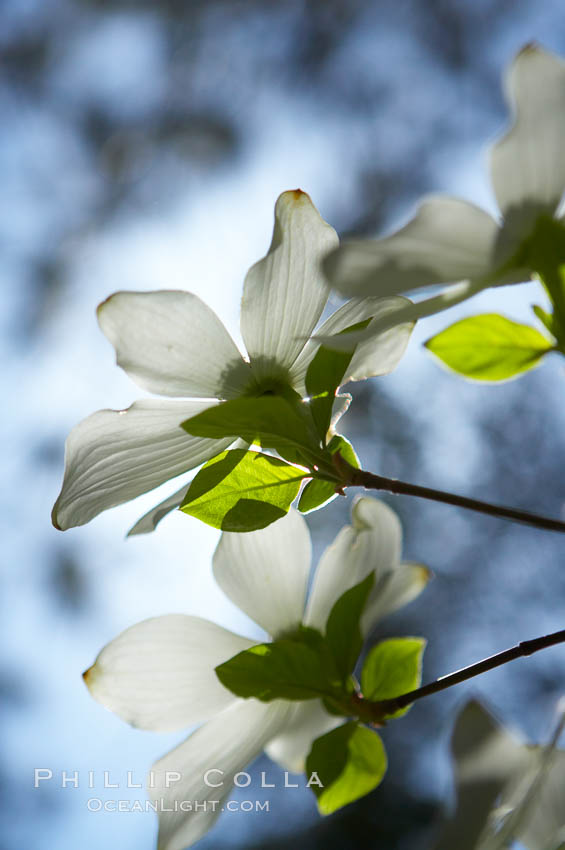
<point>361,478</point>
<point>526,647</point>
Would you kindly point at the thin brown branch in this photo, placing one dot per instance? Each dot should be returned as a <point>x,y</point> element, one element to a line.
<point>361,478</point>
<point>526,647</point>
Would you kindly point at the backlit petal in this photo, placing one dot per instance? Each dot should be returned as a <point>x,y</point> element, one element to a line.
<point>486,756</point>
<point>113,456</point>
<point>265,573</point>
<point>149,521</point>
<point>159,674</point>
<point>448,240</point>
<point>394,590</point>
<point>169,342</point>
<point>285,292</point>
<point>528,163</point>
<point>210,757</point>
<point>309,720</point>
<point>408,312</point>
<point>378,356</point>
<point>372,543</point>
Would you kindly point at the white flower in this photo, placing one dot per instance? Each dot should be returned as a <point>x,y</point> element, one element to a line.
<point>451,241</point>
<point>507,790</point>
<point>159,674</point>
<point>172,344</point>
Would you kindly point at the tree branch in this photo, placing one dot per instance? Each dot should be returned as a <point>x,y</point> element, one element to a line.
<point>526,647</point>
<point>361,478</point>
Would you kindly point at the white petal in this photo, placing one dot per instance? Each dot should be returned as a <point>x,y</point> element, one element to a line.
<point>265,573</point>
<point>377,357</point>
<point>528,163</point>
<point>152,518</point>
<point>224,746</point>
<point>543,823</point>
<point>484,749</point>
<point>309,721</point>
<point>449,240</point>
<point>395,589</point>
<point>408,312</point>
<point>285,293</point>
<point>382,353</point>
<point>115,455</point>
<point>373,543</point>
<point>340,407</point>
<point>331,578</point>
<point>171,343</point>
<point>485,756</point>
<point>159,674</point>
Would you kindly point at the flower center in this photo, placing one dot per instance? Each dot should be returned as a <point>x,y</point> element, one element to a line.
<point>280,386</point>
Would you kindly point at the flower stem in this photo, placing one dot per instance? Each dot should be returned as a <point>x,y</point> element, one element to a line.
<point>361,478</point>
<point>526,647</point>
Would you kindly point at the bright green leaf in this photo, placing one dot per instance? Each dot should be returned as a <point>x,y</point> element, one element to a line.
<point>338,443</point>
<point>350,761</point>
<point>489,347</point>
<point>269,419</point>
<point>393,667</point>
<point>295,456</point>
<point>242,490</point>
<point>319,492</point>
<point>343,633</point>
<point>285,669</point>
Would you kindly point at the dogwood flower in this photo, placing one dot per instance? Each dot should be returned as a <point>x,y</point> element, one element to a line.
<point>172,344</point>
<point>159,674</point>
<point>454,242</point>
<point>507,789</point>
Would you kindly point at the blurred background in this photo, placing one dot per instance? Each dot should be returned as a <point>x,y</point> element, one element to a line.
<point>142,146</point>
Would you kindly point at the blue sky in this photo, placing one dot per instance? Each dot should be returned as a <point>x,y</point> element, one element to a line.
<point>198,225</point>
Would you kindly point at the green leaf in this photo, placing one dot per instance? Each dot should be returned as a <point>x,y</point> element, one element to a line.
<point>269,419</point>
<point>545,254</point>
<point>489,347</point>
<point>285,669</point>
<point>322,381</point>
<point>350,761</point>
<point>545,318</point>
<point>316,493</point>
<point>339,708</point>
<point>343,633</point>
<point>393,667</point>
<point>546,250</point>
<point>319,492</point>
<point>338,443</point>
<point>242,490</point>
